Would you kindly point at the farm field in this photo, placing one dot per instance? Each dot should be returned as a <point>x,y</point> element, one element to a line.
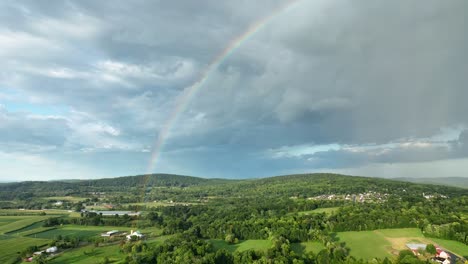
<point>11,246</point>
<point>88,231</point>
<point>366,244</point>
<point>76,231</point>
<point>314,246</point>
<point>387,242</point>
<point>254,244</point>
<point>30,228</point>
<point>8,219</point>
<point>19,222</point>
<point>89,255</point>
<point>73,199</point>
<point>329,210</point>
<point>453,246</point>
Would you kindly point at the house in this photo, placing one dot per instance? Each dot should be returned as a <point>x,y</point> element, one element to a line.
<point>110,233</point>
<point>136,234</point>
<point>51,250</point>
<point>442,256</point>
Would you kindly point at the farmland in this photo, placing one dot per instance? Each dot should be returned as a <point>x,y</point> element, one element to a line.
<point>387,242</point>
<point>261,245</point>
<point>89,255</point>
<point>328,210</point>
<point>11,246</point>
<point>192,224</point>
<point>304,247</point>
<point>84,232</point>
<point>16,223</point>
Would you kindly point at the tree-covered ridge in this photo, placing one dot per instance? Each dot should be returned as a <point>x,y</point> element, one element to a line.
<point>189,188</point>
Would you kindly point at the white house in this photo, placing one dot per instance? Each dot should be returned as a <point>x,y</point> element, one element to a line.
<point>51,250</point>
<point>136,234</point>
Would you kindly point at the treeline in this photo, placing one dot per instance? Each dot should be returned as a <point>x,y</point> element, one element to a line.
<point>186,188</point>
<point>262,218</point>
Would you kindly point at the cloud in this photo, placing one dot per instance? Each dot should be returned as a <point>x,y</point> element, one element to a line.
<point>324,84</point>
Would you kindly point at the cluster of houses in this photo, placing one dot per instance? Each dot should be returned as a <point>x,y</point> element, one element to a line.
<point>441,255</point>
<point>360,197</point>
<point>116,233</point>
<point>432,196</point>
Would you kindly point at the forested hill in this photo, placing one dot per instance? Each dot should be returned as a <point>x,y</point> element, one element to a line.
<point>303,185</point>
<point>107,184</point>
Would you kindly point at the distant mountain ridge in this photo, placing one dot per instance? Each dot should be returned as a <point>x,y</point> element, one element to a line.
<point>448,181</point>
<point>285,186</point>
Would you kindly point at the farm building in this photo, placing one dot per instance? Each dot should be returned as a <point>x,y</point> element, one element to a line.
<point>110,233</point>
<point>442,256</point>
<point>416,247</point>
<point>51,250</point>
<point>136,234</point>
<point>113,213</point>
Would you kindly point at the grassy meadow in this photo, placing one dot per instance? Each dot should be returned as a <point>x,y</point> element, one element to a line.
<point>254,244</point>
<point>329,211</point>
<point>387,242</point>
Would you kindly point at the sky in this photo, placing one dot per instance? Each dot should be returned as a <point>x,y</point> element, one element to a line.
<point>93,89</point>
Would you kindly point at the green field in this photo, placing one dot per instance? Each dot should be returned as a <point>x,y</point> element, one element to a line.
<point>19,222</point>
<point>401,232</point>
<point>8,219</point>
<point>89,231</point>
<point>73,199</point>
<point>453,246</point>
<point>329,210</point>
<point>301,248</point>
<point>387,242</point>
<point>11,246</point>
<point>76,231</point>
<point>89,255</point>
<point>366,244</point>
<point>254,244</point>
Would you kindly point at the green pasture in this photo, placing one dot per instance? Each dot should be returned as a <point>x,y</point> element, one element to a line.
<point>10,247</point>
<point>72,199</point>
<point>387,242</point>
<point>453,246</point>
<point>19,223</point>
<point>89,255</point>
<point>304,247</point>
<point>84,232</point>
<point>254,244</point>
<point>366,244</point>
<point>328,211</point>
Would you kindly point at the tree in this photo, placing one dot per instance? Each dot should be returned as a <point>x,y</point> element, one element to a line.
<point>230,239</point>
<point>430,248</point>
<point>41,259</point>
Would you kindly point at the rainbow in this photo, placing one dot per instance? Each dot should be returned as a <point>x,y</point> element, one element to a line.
<point>184,99</point>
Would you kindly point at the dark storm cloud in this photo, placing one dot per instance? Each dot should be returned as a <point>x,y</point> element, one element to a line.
<point>322,74</point>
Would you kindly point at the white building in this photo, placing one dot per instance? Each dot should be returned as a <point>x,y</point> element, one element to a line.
<point>136,234</point>
<point>110,233</point>
<point>51,250</point>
